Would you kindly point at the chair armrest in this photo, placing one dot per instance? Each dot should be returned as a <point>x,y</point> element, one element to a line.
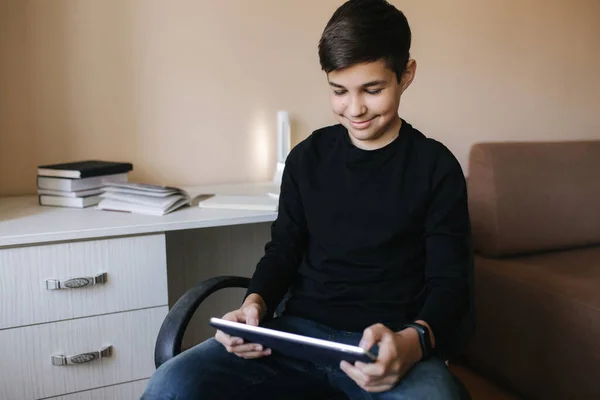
<point>168,343</point>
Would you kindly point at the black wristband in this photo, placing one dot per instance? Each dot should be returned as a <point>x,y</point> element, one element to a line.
<point>424,338</point>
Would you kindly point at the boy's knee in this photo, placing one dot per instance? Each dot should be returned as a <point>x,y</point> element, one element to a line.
<point>179,377</point>
<point>164,384</point>
<point>442,389</point>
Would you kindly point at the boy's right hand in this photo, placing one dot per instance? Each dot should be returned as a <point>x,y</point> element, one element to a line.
<point>250,313</point>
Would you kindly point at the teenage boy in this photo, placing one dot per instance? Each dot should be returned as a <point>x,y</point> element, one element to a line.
<point>371,236</point>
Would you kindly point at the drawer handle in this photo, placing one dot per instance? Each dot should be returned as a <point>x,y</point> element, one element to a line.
<point>76,283</point>
<point>59,359</point>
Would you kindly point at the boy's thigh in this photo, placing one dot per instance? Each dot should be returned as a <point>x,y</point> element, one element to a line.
<point>430,379</point>
<point>209,371</point>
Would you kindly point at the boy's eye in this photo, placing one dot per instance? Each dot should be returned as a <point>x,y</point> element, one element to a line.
<point>377,91</point>
<point>339,92</point>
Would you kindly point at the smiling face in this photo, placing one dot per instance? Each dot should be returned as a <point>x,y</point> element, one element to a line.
<point>365,99</point>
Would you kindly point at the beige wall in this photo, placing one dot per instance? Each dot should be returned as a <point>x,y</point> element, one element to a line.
<point>188,89</point>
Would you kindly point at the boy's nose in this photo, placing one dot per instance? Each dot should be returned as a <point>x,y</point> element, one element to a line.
<point>356,108</point>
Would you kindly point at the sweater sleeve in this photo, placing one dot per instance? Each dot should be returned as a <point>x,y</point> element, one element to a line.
<point>277,269</point>
<point>446,244</point>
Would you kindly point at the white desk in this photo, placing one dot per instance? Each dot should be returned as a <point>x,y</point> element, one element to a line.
<point>23,221</point>
<point>149,261</point>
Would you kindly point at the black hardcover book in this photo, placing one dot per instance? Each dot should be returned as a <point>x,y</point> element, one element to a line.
<point>84,169</point>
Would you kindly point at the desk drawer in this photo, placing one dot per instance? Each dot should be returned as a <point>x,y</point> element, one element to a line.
<point>27,371</point>
<point>125,391</point>
<point>136,277</point>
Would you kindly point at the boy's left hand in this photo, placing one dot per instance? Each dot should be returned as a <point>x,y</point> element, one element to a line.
<point>398,352</point>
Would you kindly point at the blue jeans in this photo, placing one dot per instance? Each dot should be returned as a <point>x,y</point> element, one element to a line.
<point>208,371</point>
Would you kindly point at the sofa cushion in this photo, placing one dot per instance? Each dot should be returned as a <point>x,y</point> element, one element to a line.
<point>529,197</point>
<point>538,319</point>
<point>573,274</point>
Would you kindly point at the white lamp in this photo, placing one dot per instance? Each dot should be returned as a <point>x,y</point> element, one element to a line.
<point>283,144</point>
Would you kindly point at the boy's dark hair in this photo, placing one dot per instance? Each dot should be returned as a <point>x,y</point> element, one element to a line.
<point>366,31</point>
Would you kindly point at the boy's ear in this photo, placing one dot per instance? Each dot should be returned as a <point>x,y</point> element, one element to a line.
<point>408,75</point>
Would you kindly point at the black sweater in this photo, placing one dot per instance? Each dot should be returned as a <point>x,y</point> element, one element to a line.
<point>364,237</point>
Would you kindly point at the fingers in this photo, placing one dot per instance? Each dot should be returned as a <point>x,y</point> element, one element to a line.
<point>230,317</point>
<point>354,373</point>
<point>248,350</point>
<point>372,335</point>
<point>385,373</point>
<point>255,354</point>
<point>388,353</point>
<point>367,382</point>
<point>389,361</point>
<point>234,316</point>
<point>227,340</point>
<point>377,388</point>
<point>248,315</point>
<point>251,315</point>
<point>372,370</point>
<point>239,348</point>
<point>244,348</point>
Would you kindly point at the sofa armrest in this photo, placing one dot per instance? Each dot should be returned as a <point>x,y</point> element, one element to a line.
<point>168,343</point>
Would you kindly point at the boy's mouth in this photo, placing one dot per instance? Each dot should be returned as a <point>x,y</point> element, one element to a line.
<point>361,124</point>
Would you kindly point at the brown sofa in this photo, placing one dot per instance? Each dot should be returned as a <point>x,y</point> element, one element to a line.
<point>535,210</point>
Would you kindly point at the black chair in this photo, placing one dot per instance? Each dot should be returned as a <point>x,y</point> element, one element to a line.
<point>170,336</point>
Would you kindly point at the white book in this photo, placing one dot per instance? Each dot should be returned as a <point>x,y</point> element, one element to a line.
<point>128,188</point>
<point>143,198</point>
<point>116,205</point>
<point>74,185</point>
<point>79,193</point>
<point>258,203</point>
<point>74,202</point>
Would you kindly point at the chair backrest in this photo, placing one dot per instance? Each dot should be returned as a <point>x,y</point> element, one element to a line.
<point>527,197</point>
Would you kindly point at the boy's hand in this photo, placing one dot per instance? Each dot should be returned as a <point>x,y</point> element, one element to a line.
<point>251,312</point>
<point>398,352</point>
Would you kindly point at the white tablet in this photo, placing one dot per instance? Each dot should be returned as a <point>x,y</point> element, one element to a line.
<point>291,344</point>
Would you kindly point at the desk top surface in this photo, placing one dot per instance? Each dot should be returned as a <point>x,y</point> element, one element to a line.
<point>23,221</point>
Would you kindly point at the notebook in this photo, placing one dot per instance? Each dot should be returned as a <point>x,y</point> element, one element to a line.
<point>74,185</point>
<point>84,169</point>
<point>74,202</point>
<point>79,193</point>
<point>258,203</point>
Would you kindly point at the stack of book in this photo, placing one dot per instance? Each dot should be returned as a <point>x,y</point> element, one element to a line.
<point>142,198</point>
<point>78,184</point>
